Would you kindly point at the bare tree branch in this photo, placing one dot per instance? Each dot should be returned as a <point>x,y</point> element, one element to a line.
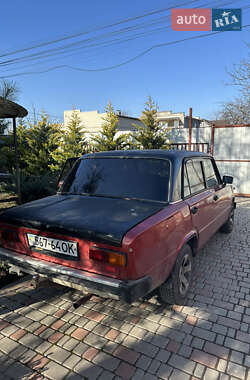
<point>241,75</point>
<point>237,111</point>
<point>9,90</point>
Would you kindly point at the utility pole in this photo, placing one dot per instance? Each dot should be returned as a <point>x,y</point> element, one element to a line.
<point>190,128</point>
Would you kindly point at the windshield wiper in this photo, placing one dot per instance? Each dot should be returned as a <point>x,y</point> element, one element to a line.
<point>71,193</point>
<point>113,196</point>
<point>91,195</point>
<point>104,195</point>
<point>127,198</point>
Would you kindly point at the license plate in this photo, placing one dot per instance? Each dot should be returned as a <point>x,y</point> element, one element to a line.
<point>56,246</point>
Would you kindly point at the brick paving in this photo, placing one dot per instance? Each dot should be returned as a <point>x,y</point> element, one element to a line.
<point>42,336</point>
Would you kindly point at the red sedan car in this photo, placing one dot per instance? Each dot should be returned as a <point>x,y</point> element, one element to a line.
<point>123,224</point>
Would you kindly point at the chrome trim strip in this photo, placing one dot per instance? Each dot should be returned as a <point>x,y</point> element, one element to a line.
<point>33,263</point>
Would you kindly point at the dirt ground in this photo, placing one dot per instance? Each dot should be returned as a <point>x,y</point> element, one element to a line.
<point>7,201</point>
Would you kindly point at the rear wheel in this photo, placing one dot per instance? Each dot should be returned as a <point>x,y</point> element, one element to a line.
<point>227,227</point>
<point>176,287</point>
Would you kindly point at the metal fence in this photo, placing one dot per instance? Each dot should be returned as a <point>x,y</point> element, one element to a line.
<point>196,147</point>
<point>230,146</point>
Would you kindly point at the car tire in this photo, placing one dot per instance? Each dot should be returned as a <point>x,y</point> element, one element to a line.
<point>174,290</point>
<point>227,227</point>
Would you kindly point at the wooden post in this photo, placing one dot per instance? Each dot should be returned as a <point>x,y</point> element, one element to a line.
<point>190,128</point>
<point>18,187</point>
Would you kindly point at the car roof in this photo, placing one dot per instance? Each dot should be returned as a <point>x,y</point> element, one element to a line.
<point>173,155</point>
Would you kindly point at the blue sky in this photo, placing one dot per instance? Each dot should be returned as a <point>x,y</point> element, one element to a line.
<point>192,73</point>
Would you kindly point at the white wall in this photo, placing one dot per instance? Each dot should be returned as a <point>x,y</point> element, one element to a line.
<point>181,135</point>
<point>229,144</point>
<point>92,121</point>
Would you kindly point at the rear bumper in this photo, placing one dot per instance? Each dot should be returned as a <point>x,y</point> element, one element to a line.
<point>128,291</point>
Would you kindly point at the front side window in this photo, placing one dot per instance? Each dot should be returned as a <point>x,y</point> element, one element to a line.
<point>195,176</point>
<point>122,177</point>
<point>210,175</point>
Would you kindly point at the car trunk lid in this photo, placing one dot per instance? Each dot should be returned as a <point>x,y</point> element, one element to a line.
<point>81,222</point>
<point>100,219</point>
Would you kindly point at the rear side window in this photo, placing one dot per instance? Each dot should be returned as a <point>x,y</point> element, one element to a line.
<point>195,176</point>
<point>210,175</point>
<point>186,187</point>
<point>177,188</point>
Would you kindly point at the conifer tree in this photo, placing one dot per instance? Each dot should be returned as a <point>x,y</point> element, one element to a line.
<point>72,142</point>
<point>42,139</point>
<point>7,153</point>
<point>23,147</point>
<point>107,139</point>
<point>151,135</point>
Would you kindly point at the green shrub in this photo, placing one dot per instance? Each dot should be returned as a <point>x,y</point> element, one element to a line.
<point>6,182</point>
<point>33,187</point>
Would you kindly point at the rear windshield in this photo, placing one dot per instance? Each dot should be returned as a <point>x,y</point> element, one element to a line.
<point>141,178</point>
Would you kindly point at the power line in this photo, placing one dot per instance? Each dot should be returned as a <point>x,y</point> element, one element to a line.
<point>95,29</point>
<point>124,62</point>
<point>58,49</point>
<point>37,114</point>
<point>87,42</point>
<point>104,44</point>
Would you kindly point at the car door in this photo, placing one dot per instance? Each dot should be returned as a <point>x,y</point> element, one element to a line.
<point>199,198</point>
<point>222,204</point>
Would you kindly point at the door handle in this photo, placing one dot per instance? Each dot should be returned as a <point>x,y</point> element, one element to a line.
<point>216,197</point>
<point>194,210</point>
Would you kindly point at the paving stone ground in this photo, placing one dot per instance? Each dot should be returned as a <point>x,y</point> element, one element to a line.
<point>42,336</point>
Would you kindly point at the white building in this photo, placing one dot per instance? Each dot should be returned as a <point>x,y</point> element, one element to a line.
<point>92,122</point>
<point>179,120</point>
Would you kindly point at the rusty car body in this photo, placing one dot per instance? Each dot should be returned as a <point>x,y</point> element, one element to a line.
<point>124,224</point>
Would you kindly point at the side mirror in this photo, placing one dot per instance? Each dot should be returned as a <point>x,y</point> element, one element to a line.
<point>227,179</point>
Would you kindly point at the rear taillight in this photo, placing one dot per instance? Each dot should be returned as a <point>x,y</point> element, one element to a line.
<point>8,235</point>
<point>106,256</point>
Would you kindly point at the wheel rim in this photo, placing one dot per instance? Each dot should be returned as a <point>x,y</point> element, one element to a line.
<point>185,274</point>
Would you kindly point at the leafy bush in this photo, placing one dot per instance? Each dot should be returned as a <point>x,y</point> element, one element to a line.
<point>33,187</point>
<point>6,182</point>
